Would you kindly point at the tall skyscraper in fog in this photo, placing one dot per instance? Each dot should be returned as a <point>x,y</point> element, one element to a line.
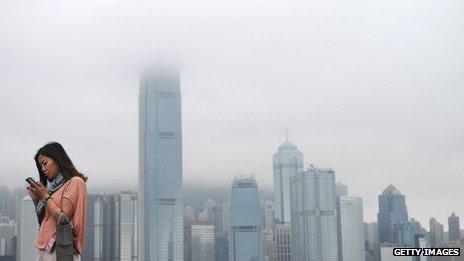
<point>314,233</point>
<point>392,216</point>
<point>287,162</point>
<point>351,228</point>
<point>160,167</point>
<point>245,221</point>
<point>453,228</point>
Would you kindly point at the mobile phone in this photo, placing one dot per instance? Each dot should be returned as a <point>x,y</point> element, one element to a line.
<point>31,181</point>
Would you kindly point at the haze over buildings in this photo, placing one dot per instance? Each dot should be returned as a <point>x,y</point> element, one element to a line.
<point>372,89</point>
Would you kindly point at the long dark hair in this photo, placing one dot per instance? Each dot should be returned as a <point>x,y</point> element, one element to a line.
<point>55,151</point>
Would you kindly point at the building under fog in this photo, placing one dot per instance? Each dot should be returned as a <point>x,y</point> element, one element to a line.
<point>160,167</point>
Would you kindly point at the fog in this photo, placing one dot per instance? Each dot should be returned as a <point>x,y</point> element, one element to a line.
<point>372,89</point>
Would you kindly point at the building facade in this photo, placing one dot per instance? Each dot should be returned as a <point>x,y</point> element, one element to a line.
<point>245,221</point>
<point>199,241</point>
<point>314,233</point>
<point>282,246</point>
<point>454,228</point>
<point>125,229</point>
<point>351,229</point>
<point>392,217</point>
<point>6,202</point>
<point>287,162</point>
<point>436,232</point>
<point>160,167</point>
<point>7,237</point>
<point>111,227</point>
<point>28,231</point>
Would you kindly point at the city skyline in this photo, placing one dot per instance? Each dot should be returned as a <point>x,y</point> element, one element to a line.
<point>372,90</point>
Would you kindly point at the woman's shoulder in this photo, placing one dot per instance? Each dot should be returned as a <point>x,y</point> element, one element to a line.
<point>76,180</point>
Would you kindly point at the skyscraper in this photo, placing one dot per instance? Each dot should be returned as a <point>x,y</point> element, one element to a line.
<point>160,167</point>
<point>393,215</point>
<point>453,228</point>
<point>245,221</point>
<point>287,162</point>
<point>28,231</point>
<point>351,228</point>
<point>436,232</point>
<point>125,230</point>
<point>99,236</point>
<point>314,234</point>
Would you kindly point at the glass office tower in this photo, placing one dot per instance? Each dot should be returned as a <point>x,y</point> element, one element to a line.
<point>245,221</point>
<point>314,234</point>
<point>160,167</point>
<point>287,162</point>
<point>393,215</point>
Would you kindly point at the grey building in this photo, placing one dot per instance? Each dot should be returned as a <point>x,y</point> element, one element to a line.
<point>160,167</point>
<point>7,237</point>
<point>6,202</point>
<point>453,228</point>
<point>199,241</point>
<point>245,221</point>
<point>436,232</point>
<point>111,227</point>
<point>393,218</point>
<point>314,234</point>
<point>100,239</point>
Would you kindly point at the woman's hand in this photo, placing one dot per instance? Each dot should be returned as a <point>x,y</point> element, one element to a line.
<point>34,198</point>
<point>37,191</point>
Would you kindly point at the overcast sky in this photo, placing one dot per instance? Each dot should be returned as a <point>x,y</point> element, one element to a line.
<point>371,88</point>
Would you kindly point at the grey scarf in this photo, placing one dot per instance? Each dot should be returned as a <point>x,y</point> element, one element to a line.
<point>52,186</point>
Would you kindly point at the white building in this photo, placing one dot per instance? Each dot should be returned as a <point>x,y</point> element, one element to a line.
<point>351,228</point>
<point>160,167</point>
<point>314,234</point>
<point>126,212</point>
<point>28,231</point>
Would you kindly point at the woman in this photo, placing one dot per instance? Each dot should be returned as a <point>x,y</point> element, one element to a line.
<point>61,189</point>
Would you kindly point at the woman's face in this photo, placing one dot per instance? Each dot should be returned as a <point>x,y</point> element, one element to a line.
<point>49,167</point>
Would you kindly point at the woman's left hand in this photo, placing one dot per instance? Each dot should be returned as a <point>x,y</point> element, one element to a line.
<point>39,190</point>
